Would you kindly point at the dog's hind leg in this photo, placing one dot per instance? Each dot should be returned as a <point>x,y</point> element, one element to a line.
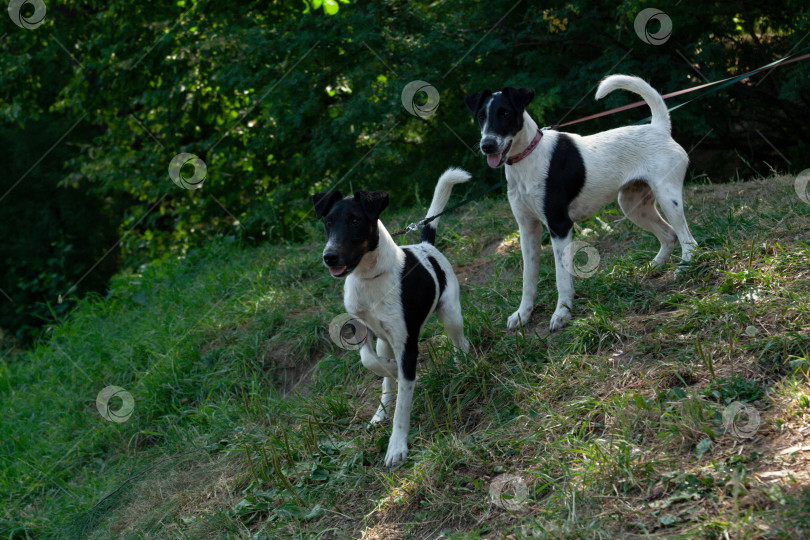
<point>563,263</point>
<point>449,313</point>
<point>454,325</point>
<point>669,193</point>
<point>637,201</point>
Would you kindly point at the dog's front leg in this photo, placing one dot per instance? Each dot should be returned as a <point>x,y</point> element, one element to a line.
<point>385,401</point>
<point>385,354</point>
<point>563,262</point>
<point>398,444</point>
<point>531,232</point>
<point>378,364</point>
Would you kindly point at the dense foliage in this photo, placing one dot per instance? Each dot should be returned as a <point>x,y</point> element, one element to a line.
<point>280,99</point>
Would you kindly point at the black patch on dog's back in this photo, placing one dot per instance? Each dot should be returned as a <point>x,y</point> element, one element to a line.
<point>439,274</point>
<point>418,292</point>
<point>566,176</point>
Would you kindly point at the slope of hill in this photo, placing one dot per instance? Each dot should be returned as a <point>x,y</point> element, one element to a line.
<point>248,422</point>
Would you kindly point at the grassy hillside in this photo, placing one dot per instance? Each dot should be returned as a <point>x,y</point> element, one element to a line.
<point>250,423</point>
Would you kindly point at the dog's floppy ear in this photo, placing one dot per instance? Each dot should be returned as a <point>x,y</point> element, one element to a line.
<point>373,202</point>
<point>323,202</point>
<point>519,97</point>
<point>475,100</point>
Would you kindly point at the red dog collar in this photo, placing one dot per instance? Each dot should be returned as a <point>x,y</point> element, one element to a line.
<point>532,145</point>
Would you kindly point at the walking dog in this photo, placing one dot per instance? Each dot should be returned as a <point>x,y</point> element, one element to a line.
<point>555,179</point>
<point>393,290</point>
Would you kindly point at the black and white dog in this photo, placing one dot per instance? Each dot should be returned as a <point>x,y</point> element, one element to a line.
<point>393,290</point>
<point>557,178</point>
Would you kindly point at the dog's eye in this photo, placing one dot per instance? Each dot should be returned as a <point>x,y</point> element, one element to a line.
<point>355,222</point>
<point>328,223</point>
<point>506,114</point>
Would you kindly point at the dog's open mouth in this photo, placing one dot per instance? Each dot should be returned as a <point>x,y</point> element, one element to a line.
<point>338,271</point>
<point>496,160</point>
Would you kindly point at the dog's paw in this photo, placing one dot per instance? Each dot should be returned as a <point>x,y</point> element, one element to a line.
<point>379,416</point>
<point>653,268</point>
<point>397,452</point>
<point>517,318</point>
<point>682,270</point>
<point>559,320</point>
<point>384,367</point>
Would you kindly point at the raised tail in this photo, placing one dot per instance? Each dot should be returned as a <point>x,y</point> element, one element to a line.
<point>447,180</point>
<point>660,115</point>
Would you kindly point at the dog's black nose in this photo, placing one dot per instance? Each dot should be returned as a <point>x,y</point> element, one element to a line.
<point>489,146</point>
<point>330,259</point>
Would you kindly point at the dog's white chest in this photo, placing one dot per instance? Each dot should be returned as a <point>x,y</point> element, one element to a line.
<point>527,190</point>
<point>375,302</point>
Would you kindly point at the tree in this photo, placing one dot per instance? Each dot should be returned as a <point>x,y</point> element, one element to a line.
<point>284,99</point>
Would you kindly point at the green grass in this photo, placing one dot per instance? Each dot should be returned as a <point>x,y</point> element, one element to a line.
<point>250,423</point>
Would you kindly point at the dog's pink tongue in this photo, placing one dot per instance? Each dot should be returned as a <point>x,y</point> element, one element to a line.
<point>493,160</point>
<point>337,270</point>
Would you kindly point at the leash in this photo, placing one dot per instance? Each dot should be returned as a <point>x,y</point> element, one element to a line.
<point>415,226</point>
<point>723,83</point>
<point>732,80</point>
<point>717,86</point>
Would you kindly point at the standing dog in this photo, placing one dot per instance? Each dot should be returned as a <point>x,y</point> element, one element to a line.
<point>393,290</point>
<point>557,178</point>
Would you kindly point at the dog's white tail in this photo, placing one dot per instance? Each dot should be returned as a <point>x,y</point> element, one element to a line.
<point>447,180</point>
<point>660,115</point>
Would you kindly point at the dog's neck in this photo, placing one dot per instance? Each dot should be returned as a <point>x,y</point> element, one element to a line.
<point>524,137</point>
<point>381,260</point>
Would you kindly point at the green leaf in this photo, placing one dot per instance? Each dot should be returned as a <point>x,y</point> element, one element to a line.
<point>320,473</point>
<point>289,509</point>
<point>668,519</point>
<point>703,446</point>
<point>316,512</point>
<point>330,7</point>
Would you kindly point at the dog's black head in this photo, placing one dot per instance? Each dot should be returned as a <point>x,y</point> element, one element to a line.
<point>351,227</point>
<point>500,116</point>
